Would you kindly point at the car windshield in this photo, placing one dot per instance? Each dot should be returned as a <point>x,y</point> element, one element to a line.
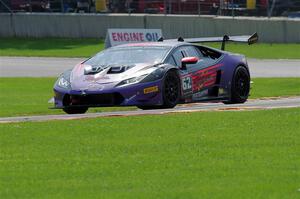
<point>129,55</point>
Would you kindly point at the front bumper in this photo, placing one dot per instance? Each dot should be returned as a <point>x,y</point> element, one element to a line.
<point>140,94</point>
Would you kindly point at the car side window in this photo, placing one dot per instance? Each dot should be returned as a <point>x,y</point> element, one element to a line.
<point>171,61</point>
<point>178,55</point>
<point>191,51</point>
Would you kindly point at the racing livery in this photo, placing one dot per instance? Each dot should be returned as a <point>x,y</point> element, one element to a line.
<point>156,75</point>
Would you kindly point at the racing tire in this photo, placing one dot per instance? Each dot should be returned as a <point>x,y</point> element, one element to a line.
<point>240,86</point>
<point>171,90</point>
<point>75,110</point>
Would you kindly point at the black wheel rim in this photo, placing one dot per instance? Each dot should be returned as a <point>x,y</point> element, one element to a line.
<point>171,88</point>
<point>242,84</point>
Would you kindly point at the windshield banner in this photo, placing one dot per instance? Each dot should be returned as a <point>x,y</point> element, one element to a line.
<point>116,37</point>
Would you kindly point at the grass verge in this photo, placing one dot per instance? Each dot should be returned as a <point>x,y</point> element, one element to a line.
<point>251,154</point>
<point>50,47</point>
<point>263,50</point>
<point>274,87</point>
<point>29,96</point>
<point>55,47</point>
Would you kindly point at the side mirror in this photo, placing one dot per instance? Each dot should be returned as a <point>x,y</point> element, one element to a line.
<point>188,60</point>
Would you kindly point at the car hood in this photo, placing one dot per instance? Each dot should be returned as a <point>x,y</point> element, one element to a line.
<point>81,80</point>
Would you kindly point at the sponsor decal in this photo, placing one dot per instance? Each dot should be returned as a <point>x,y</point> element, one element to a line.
<point>151,89</point>
<point>199,95</point>
<point>96,78</point>
<point>95,87</point>
<point>221,91</point>
<point>204,78</point>
<point>188,100</point>
<point>116,37</point>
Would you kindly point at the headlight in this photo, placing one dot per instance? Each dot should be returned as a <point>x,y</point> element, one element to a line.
<point>132,80</point>
<point>62,82</point>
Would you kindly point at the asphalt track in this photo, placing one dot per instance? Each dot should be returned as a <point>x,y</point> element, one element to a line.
<point>52,67</point>
<point>270,103</point>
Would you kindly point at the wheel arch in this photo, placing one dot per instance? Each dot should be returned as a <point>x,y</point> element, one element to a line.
<point>177,70</point>
<point>177,73</point>
<point>169,68</point>
<point>243,65</point>
<point>233,72</point>
<point>233,76</point>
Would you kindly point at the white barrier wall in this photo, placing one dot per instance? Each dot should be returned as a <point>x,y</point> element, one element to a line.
<point>280,30</point>
<point>269,30</point>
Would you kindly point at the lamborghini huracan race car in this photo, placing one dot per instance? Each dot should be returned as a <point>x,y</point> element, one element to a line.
<point>158,74</point>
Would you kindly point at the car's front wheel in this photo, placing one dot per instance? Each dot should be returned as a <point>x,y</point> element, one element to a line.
<point>75,110</point>
<point>171,90</point>
<point>240,86</point>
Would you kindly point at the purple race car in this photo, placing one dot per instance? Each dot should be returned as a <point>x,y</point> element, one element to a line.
<point>156,75</point>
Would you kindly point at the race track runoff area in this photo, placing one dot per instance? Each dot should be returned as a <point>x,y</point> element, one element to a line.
<point>258,104</point>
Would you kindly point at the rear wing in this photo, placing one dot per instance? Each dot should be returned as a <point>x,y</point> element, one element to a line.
<point>250,39</point>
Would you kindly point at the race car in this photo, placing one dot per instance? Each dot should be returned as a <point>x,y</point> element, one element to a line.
<point>155,75</point>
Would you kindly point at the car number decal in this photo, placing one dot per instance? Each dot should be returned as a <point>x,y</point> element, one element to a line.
<point>186,84</point>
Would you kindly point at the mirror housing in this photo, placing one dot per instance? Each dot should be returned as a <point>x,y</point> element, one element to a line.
<point>188,60</point>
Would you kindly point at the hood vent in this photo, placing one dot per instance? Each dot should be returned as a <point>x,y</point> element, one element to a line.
<point>90,70</point>
<point>119,69</point>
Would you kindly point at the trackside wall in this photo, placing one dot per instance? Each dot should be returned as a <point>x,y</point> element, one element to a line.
<point>279,30</point>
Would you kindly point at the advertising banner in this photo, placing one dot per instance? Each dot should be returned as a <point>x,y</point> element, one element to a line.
<point>116,37</point>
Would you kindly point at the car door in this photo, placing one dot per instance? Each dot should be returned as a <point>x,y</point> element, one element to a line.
<point>199,81</point>
<point>186,81</point>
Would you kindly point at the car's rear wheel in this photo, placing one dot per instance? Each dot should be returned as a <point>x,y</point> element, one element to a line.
<point>75,110</point>
<point>240,86</point>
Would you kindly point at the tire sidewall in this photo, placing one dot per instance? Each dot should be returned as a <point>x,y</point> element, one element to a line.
<point>167,103</point>
<point>235,97</point>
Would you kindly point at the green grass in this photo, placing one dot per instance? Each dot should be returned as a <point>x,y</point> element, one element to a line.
<point>250,154</point>
<point>275,87</point>
<point>51,47</point>
<point>262,50</point>
<point>29,96</point>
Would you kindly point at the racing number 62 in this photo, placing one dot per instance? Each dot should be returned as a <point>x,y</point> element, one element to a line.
<point>187,83</point>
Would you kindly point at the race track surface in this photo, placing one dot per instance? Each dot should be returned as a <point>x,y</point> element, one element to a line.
<point>186,108</point>
<point>52,67</point>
